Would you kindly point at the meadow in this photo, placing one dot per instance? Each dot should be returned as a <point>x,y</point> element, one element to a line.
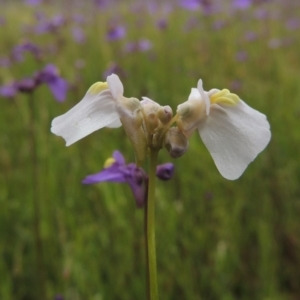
<point>216,239</point>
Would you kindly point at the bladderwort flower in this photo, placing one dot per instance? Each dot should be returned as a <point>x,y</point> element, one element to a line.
<point>116,170</point>
<point>233,132</point>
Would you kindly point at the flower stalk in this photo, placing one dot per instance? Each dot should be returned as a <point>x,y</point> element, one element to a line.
<point>150,229</point>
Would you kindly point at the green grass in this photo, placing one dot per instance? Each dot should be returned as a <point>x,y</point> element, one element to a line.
<point>216,239</point>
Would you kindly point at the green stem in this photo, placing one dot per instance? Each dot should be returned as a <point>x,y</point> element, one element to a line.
<point>151,250</point>
<point>36,201</point>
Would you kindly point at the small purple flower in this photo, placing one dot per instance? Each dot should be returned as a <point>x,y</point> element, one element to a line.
<point>165,171</point>
<point>113,68</point>
<point>19,50</point>
<point>51,25</point>
<point>5,62</point>
<point>190,4</point>
<point>241,4</point>
<point>57,85</point>
<point>250,36</point>
<point>241,56</point>
<point>26,85</point>
<point>78,35</point>
<point>162,24</point>
<point>118,171</point>
<point>292,24</point>
<point>33,2</point>
<point>141,45</point>
<point>115,33</point>
<point>8,91</point>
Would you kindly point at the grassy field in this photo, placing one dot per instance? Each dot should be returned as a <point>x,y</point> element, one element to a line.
<point>216,239</point>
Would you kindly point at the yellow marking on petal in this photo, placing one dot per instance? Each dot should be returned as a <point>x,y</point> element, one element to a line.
<point>224,97</point>
<point>98,87</point>
<point>109,162</point>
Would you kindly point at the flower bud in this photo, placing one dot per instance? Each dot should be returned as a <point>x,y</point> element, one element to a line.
<point>165,171</point>
<point>152,121</point>
<point>176,142</point>
<point>165,114</point>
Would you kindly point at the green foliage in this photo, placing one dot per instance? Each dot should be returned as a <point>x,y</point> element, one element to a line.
<point>216,239</point>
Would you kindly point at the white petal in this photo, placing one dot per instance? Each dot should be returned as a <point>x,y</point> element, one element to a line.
<point>90,114</point>
<point>194,95</point>
<point>115,124</point>
<point>234,136</point>
<point>115,85</point>
<point>204,96</point>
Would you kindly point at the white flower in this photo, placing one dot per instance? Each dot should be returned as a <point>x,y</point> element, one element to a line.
<point>96,110</point>
<point>233,132</point>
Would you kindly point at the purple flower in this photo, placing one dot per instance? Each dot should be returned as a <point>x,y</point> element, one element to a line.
<point>241,4</point>
<point>116,170</point>
<point>115,33</point>
<point>162,24</point>
<point>78,35</point>
<point>292,24</point>
<point>5,62</point>
<point>57,85</point>
<point>165,171</point>
<point>141,45</point>
<point>241,56</point>
<point>190,4</point>
<point>113,68</point>
<point>51,25</point>
<point>26,85</point>
<point>8,91</point>
<point>33,2</point>
<point>19,50</point>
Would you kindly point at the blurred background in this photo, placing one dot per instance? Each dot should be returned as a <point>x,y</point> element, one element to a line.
<point>216,239</point>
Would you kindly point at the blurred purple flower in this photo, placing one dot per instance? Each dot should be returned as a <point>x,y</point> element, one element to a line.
<point>241,4</point>
<point>2,21</point>
<point>78,35</point>
<point>33,2</point>
<point>116,33</point>
<point>219,24</point>
<point>8,91</point>
<point>165,171</point>
<point>292,24</point>
<point>250,36</point>
<point>113,68</point>
<point>190,4</point>
<point>241,56</point>
<point>51,25</point>
<point>274,43</point>
<point>5,62</point>
<point>162,24</point>
<point>101,3</point>
<point>26,85</point>
<point>57,85</point>
<point>116,170</point>
<point>141,45</point>
<point>79,19</point>
<point>19,50</point>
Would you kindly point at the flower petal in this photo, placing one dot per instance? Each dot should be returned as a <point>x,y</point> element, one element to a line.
<point>115,85</point>
<point>93,112</point>
<point>138,182</point>
<point>194,95</point>
<point>204,96</point>
<point>165,171</point>
<point>111,174</point>
<point>117,155</point>
<point>59,87</point>
<point>234,136</point>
